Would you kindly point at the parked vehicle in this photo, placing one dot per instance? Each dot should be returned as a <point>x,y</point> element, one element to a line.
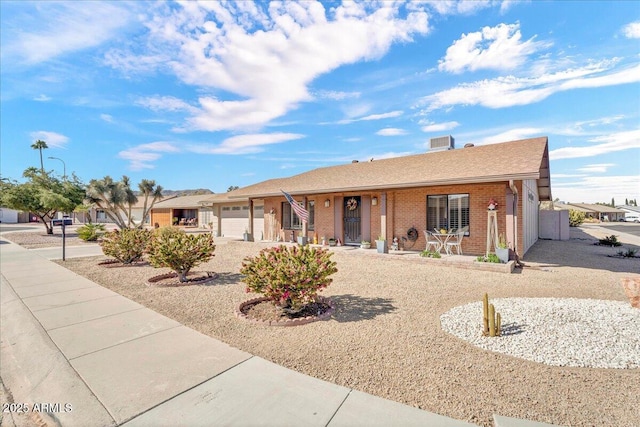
<point>631,218</point>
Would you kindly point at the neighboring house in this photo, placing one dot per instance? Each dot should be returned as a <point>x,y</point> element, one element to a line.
<point>8,216</point>
<point>217,212</point>
<point>98,215</point>
<point>631,210</point>
<point>599,212</point>
<point>440,189</point>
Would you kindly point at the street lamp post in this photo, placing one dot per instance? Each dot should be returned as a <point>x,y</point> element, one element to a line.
<point>64,167</point>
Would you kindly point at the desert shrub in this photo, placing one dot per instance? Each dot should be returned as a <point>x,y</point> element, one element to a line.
<point>430,254</point>
<point>126,245</point>
<point>489,258</point>
<point>630,253</point>
<point>610,241</point>
<point>173,248</point>
<point>290,277</point>
<point>575,218</point>
<point>91,232</point>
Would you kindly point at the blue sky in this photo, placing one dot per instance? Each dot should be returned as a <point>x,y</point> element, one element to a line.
<point>210,94</point>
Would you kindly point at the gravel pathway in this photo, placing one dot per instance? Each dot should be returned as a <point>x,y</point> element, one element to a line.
<point>386,339</point>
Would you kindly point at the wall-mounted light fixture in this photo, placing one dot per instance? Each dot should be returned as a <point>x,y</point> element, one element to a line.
<point>374,201</point>
<point>327,203</point>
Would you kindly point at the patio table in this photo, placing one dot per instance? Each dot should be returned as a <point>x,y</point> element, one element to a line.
<point>443,238</point>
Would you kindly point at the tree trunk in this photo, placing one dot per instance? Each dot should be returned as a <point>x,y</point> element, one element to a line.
<point>182,276</point>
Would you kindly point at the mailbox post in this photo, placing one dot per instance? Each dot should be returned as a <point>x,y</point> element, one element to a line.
<point>62,223</point>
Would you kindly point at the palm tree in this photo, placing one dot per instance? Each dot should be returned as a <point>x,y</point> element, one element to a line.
<point>39,145</point>
<point>149,189</point>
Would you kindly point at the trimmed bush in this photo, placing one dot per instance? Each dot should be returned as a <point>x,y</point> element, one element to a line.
<point>173,248</point>
<point>576,218</point>
<point>91,232</point>
<point>610,241</point>
<point>126,245</point>
<point>290,277</point>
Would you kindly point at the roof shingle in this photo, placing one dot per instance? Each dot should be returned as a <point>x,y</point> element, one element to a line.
<point>523,159</point>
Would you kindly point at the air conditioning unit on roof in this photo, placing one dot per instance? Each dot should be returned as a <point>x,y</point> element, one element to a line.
<point>442,143</point>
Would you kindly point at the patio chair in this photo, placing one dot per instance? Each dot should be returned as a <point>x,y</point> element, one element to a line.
<point>432,241</point>
<point>455,242</point>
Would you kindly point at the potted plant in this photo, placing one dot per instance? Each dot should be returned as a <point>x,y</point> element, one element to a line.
<point>381,245</point>
<point>365,245</point>
<point>502,249</point>
<point>332,241</point>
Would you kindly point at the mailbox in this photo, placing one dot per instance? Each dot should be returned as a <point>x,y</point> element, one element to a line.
<point>59,222</point>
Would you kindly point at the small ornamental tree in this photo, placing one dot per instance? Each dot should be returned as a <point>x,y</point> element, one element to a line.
<point>91,232</point>
<point>126,245</point>
<point>290,277</point>
<point>173,248</point>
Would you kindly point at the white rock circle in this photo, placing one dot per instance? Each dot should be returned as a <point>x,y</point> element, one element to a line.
<point>555,331</point>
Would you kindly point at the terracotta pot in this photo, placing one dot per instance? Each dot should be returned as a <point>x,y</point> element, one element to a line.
<point>631,287</point>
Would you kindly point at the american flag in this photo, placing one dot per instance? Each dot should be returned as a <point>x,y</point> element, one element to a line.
<point>302,213</point>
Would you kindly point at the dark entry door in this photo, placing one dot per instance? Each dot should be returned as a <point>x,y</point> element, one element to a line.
<point>352,220</point>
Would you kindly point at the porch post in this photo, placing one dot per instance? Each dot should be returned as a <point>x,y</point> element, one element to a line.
<point>383,215</point>
<point>250,228</point>
<point>304,223</point>
<point>219,216</point>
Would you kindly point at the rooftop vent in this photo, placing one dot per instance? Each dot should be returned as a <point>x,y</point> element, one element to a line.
<point>468,145</point>
<point>442,143</point>
<point>354,161</point>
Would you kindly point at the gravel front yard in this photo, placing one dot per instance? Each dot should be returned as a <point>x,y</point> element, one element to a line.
<point>385,337</point>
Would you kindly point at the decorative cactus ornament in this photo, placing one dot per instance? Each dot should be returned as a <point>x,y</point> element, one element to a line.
<point>492,321</point>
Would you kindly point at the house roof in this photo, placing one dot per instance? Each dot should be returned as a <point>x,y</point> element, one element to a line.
<point>627,208</point>
<point>196,201</point>
<point>191,201</point>
<point>523,159</point>
<point>589,207</point>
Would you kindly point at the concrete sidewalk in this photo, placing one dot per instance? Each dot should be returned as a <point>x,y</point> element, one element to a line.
<point>99,359</point>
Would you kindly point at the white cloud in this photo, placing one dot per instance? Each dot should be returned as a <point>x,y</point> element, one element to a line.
<point>336,95</point>
<point>65,27</point>
<point>370,117</point>
<point>596,168</point>
<point>512,135</point>
<point>267,71</point>
<point>142,156</point>
<point>603,144</point>
<point>509,91</point>
<point>244,144</point>
<point>391,132</point>
<point>165,103</point>
<point>42,98</point>
<point>496,48</point>
<point>107,118</point>
<point>632,30</point>
<point>450,7</point>
<point>439,127</point>
<point>592,189</point>
<point>53,139</point>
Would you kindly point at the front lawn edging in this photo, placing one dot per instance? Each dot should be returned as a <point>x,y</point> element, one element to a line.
<point>239,312</point>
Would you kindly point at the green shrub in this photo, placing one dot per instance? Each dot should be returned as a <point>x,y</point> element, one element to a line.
<point>290,277</point>
<point>610,241</point>
<point>489,258</point>
<point>126,245</point>
<point>91,232</point>
<point>630,253</point>
<point>430,254</point>
<point>173,248</point>
<point>576,218</point>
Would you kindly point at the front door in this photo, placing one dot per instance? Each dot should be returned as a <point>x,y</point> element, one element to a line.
<point>352,221</point>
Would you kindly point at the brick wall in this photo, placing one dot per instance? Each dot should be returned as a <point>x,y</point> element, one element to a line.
<point>408,208</point>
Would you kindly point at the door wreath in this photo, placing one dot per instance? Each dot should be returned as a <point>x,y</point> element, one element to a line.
<point>352,204</point>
